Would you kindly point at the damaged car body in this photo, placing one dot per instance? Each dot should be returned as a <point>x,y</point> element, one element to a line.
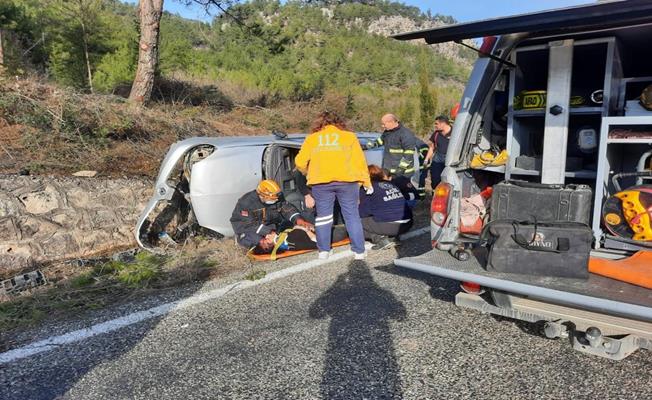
<point>202,178</point>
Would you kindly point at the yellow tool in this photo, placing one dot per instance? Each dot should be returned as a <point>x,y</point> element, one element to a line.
<point>489,158</point>
<point>637,217</point>
<point>536,100</point>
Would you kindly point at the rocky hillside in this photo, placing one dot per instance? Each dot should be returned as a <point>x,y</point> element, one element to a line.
<point>391,25</point>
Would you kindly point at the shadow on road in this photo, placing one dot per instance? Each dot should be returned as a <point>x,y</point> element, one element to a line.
<point>360,360</point>
<point>440,288</point>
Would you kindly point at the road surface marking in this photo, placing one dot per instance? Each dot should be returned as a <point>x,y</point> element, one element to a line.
<point>54,342</point>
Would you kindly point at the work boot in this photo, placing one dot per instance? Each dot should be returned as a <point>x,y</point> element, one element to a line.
<point>383,243</point>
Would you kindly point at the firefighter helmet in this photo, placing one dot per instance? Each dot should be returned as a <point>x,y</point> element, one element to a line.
<point>268,190</point>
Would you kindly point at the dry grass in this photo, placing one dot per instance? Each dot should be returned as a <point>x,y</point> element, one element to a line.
<point>107,134</point>
<point>75,288</point>
<point>84,131</point>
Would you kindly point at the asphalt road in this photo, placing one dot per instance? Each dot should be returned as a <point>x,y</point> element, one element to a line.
<point>345,330</point>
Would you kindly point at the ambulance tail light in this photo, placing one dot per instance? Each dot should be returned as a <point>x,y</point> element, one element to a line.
<point>439,205</point>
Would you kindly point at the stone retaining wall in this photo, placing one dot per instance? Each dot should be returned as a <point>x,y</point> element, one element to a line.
<point>44,219</point>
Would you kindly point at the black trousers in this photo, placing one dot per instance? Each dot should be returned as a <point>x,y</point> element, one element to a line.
<point>374,230</point>
<point>436,168</point>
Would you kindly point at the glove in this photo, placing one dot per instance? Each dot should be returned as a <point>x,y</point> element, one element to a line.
<point>369,190</point>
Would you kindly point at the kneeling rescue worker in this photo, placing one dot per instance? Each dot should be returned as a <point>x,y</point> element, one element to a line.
<point>262,213</point>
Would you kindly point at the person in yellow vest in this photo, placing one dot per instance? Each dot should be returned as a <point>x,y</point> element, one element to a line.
<point>333,160</point>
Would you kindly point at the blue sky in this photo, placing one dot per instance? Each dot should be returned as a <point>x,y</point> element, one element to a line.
<point>462,10</point>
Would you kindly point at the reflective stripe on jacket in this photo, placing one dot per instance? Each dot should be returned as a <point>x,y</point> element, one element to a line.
<point>398,155</point>
<point>252,219</point>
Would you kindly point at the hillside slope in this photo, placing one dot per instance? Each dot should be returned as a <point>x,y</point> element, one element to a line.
<point>264,66</point>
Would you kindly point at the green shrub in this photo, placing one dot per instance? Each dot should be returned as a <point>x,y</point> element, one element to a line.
<point>256,275</point>
<point>144,269</point>
<point>115,69</point>
<point>82,280</point>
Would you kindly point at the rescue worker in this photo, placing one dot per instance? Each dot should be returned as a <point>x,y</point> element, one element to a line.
<point>402,182</point>
<point>385,213</point>
<point>332,159</point>
<point>400,144</point>
<point>262,213</point>
<point>438,146</point>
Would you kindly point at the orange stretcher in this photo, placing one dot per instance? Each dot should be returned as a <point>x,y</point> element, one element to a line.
<point>290,253</point>
<point>636,269</point>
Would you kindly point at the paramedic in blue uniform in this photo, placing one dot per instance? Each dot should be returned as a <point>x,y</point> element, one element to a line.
<point>385,213</point>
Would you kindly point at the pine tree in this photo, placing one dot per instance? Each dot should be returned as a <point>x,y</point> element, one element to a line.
<point>150,12</point>
<point>427,106</point>
<point>76,28</point>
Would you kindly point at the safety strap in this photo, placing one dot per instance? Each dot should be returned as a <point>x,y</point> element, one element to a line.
<point>279,241</point>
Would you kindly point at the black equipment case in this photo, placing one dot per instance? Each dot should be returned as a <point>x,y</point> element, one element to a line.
<point>527,201</point>
<point>557,249</point>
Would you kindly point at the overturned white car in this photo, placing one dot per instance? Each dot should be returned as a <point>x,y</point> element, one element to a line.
<point>202,178</point>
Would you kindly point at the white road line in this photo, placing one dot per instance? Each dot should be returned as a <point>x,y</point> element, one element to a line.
<point>54,342</point>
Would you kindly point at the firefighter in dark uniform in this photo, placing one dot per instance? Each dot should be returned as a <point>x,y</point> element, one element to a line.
<point>261,214</point>
<point>400,144</point>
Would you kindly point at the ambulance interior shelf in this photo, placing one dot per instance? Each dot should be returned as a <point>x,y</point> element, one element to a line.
<point>629,93</point>
<point>590,82</point>
<point>519,108</point>
<point>622,217</point>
